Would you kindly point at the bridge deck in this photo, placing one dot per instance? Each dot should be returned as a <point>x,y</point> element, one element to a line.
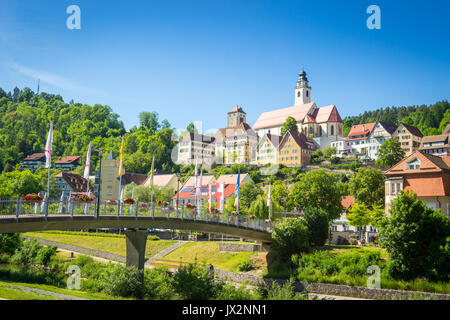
<point>38,222</point>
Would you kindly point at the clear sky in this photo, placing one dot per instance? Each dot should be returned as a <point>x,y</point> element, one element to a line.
<point>194,60</point>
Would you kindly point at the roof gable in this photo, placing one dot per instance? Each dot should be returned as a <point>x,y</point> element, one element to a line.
<point>361,129</point>
<point>428,163</point>
<point>278,117</point>
<point>411,129</point>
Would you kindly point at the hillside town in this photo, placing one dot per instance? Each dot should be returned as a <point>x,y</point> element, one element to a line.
<point>423,170</point>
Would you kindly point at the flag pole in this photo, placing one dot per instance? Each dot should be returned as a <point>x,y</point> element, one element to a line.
<point>151,177</point>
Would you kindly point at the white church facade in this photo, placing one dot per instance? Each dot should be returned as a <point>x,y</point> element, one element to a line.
<point>323,125</point>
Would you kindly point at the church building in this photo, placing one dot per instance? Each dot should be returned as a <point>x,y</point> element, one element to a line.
<point>236,144</point>
<point>324,125</point>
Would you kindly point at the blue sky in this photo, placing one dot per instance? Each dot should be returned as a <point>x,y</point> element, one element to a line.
<point>194,60</point>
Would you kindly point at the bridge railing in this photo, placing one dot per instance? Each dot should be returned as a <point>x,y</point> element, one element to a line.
<point>17,207</point>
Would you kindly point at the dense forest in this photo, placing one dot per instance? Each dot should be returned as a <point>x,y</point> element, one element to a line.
<point>430,119</point>
<point>25,120</point>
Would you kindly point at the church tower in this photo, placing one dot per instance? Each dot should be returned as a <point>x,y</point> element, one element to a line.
<point>302,90</point>
<point>235,117</point>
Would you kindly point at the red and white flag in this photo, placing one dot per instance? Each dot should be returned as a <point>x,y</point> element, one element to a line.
<point>88,163</point>
<point>220,196</point>
<point>48,146</point>
<point>268,197</point>
<point>209,197</point>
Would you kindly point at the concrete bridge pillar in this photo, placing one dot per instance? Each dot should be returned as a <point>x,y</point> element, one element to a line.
<point>136,241</point>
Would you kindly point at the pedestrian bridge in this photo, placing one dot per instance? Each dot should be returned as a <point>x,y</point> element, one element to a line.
<point>19,216</point>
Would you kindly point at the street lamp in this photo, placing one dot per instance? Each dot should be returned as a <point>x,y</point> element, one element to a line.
<point>100,155</point>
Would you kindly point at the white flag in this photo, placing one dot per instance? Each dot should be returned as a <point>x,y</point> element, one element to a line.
<point>196,177</point>
<point>268,197</point>
<point>48,146</point>
<point>209,197</point>
<point>88,163</point>
<point>198,190</point>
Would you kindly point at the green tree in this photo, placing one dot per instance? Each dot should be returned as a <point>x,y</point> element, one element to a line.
<point>390,153</point>
<point>10,242</point>
<point>247,194</point>
<point>19,183</point>
<point>149,120</point>
<point>318,226</point>
<point>329,151</point>
<point>367,186</point>
<point>290,124</point>
<point>194,283</point>
<point>280,191</point>
<point>260,209</point>
<point>320,189</point>
<point>290,236</point>
<point>417,240</point>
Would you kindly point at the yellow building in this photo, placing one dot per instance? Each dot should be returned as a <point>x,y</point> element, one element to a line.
<point>109,179</point>
<point>267,150</point>
<point>409,137</point>
<point>295,150</point>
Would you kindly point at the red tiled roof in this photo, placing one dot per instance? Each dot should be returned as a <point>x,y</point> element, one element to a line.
<point>278,117</point>
<point>347,201</point>
<point>360,129</point>
<point>300,139</point>
<point>77,182</point>
<point>327,114</point>
<point>68,159</point>
<point>137,178</point>
<point>272,138</point>
<point>35,157</point>
<point>228,192</point>
<point>236,109</point>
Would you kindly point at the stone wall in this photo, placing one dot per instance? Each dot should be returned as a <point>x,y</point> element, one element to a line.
<point>239,247</point>
<point>334,289</point>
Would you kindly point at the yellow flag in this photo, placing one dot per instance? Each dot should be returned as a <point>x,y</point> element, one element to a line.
<point>121,170</point>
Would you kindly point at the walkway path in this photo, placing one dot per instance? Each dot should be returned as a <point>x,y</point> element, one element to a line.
<point>166,251</point>
<point>44,293</point>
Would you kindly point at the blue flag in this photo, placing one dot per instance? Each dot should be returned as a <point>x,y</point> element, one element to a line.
<point>236,189</point>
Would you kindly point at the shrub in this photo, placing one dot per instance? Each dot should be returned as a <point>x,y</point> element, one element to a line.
<point>417,239</point>
<point>45,255</point>
<point>89,268</point>
<point>10,242</point>
<point>318,226</point>
<point>281,292</point>
<point>230,292</point>
<point>246,265</point>
<point>194,283</point>
<point>4,258</point>
<point>119,280</point>
<point>27,253</point>
<point>335,160</point>
<point>158,284</point>
<point>27,274</point>
<point>290,236</point>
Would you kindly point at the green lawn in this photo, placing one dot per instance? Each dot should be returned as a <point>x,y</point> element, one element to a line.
<point>115,245</point>
<point>208,252</point>
<point>9,290</point>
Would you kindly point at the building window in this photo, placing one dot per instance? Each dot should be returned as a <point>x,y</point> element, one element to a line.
<point>413,164</point>
<point>332,130</point>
